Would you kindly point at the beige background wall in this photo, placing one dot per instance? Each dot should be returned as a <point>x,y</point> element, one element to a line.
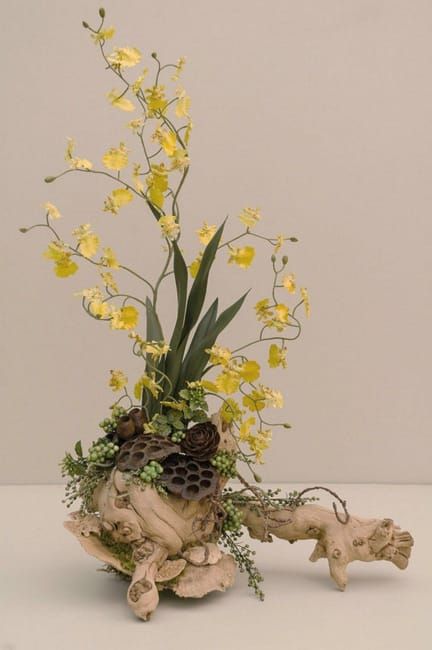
<point>320,113</point>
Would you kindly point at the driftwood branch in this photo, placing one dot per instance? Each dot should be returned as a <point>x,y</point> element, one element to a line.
<point>341,543</point>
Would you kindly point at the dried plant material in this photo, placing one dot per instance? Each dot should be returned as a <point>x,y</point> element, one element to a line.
<point>170,569</point>
<point>136,453</point>
<point>198,581</point>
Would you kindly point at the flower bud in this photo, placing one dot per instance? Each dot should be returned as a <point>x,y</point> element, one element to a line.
<point>102,12</point>
<point>287,426</point>
<point>85,25</point>
<point>154,55</point>
<point>23,229</point>
<point>294,239</point>
<point>285,260</point>
<point>257,478</point>
<point>49,179</point>
<point>273,258</point>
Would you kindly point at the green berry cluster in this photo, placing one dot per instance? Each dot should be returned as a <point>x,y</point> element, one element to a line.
<point>109,425</point>
<point>151,472</point>
<point>102,451</point>
<point>233,517</point>
<point>177,436</point>
<point>225,463</point>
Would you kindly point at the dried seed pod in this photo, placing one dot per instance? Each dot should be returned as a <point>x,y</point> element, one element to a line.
<point>201,441</point>
<point>139,418</point>
<point>136,453</point>
<point>125,428</point>
<point>189,478</point>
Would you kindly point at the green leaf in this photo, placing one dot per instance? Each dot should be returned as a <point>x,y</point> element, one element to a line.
<point>199,287</point>
<point>78,449</point>
<point>181,280</point>
<point>154,329</point>
<point>196,359</point>
<point>175,355</point>
<point>154,209</point>
<point>205,325</point>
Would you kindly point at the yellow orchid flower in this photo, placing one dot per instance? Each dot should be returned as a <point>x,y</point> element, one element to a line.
<point>245,428</point>
<point>88,241</point>
<point>117,199</point>
<point>118,380</point>
<point>148,382</point>
<point>305,297</point>
<point>136,125</point>
<point>118,100</point>
<point>136,178</point>
<point>228,381</point>
<point>169,227</point>
<point>289,283</point>
<point>255,400</point>
<point>180,66</point>
<point>249,371</point>
<point>157,183</point>
<point>206,233</point>
<point>156,100</point>
<point>124,57</point>
<point>52,211</point>
<point>243,257</point>
<point>230,411</point>
<point>277,356</point>
<point>219,356</point>
<point>194,266</point>
<point>103,35</point>
<point>250,217</point>
<point>167,140</point>
<point>116,158</point>
<point>100,309</point>
<point>109,282</point>
<point>125,318</point>
<point>280,240</point>
<point>137,84</point>
<point>76,163</point>
<point>109,259</point>
<point>183,104</point>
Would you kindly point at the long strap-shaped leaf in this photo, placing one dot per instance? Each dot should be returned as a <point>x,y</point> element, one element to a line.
<point>199,287</point>
<point>197,357</point>
<point>175,355</point>
<point>204,328</point>
<point>181,280</point>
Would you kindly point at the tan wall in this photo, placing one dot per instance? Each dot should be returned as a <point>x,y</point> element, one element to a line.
<point>320,113</point>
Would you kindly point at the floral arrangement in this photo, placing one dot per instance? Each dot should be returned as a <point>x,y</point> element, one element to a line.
<point>159,433</point>
<point>167,408</point>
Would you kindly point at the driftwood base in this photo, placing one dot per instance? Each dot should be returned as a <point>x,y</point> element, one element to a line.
<point>169,542</point>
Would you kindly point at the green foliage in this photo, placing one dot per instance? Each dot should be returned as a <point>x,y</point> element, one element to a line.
<point>172,422</point>
<point>197,357</point>
<point>109,425</point>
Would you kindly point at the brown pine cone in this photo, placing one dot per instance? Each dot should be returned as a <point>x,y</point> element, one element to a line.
<point>201,441</point>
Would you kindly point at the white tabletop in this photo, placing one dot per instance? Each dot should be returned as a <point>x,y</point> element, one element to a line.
<point>53,598</point>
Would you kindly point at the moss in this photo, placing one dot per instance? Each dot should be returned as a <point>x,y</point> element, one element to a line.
<point>123,552</point>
